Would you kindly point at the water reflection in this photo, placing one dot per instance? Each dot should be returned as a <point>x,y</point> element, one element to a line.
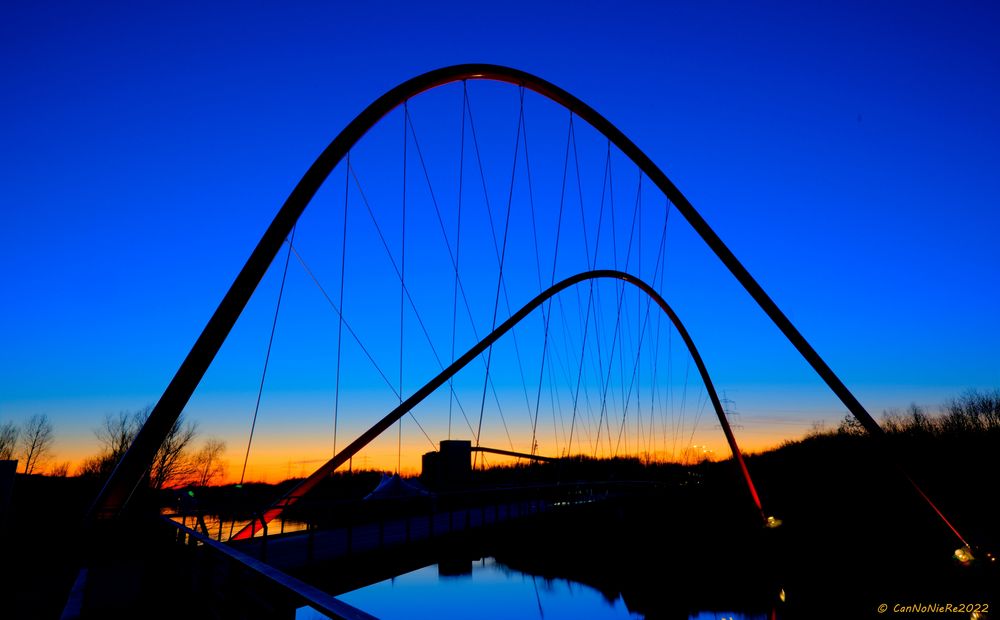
<point>222,529</point>
<point>489,590</point>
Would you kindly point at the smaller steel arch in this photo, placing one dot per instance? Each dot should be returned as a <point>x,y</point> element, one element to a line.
<point>300,490</point>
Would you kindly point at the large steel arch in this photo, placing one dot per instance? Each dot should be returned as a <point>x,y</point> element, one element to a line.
<point>296,493</point>
<point>136,461</point>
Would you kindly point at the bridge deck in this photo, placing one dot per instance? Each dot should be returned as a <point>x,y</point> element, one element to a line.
<point>299,549</point>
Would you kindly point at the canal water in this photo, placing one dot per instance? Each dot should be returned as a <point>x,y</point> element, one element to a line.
<point>222,529</point>
<point>487,590</point>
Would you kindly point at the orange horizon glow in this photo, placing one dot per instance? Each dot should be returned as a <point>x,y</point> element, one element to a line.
<point>278,461</point>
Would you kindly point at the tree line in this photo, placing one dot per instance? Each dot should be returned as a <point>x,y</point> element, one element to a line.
<point>973,412</point>
<point>176,463</point>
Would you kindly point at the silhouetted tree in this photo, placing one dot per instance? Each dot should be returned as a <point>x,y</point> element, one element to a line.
<point>116,433</point>
<point>98,466</point>
<point>973,411</point>
<point>892,421</point>
<point>208,463</point>
<point>8,440</point>
<point>60,471</point>
<point>850,425</point>
<point>36,441</point>
<point>914,421</point>
<point>171,465</point>
<point>919,423</point>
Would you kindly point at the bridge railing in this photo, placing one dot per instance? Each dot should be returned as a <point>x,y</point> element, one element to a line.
<point>313,514</point>
<point>244,578</point>
<point>326,513</point>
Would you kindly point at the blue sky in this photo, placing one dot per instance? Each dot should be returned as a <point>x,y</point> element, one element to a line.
<point>847,153</point>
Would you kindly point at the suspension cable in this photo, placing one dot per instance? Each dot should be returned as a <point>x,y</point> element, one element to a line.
<point>547,315</point>
<point>503,255</point>
<point>661,267</point>
<point>402,293</point>
<point>354,335</point>
<point>618,315</point>
<point>538,272</point>
<point>340,317</point>
<point>267,355</point>
<point>395,267</point>
<point>500,253</point>
<point>458,245</point>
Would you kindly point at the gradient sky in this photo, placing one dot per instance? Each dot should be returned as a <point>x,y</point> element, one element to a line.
<point>846,152</point>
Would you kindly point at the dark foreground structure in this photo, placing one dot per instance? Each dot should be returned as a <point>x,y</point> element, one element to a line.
<point>670,541</point>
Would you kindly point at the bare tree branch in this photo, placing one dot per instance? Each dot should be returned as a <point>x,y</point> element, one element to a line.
<point>170,465</point>
<point>36,441</point>
<point>208,462</point>
<point>8,440</point>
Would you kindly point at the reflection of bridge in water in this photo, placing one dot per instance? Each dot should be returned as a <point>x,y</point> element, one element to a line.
<point>421,520</point>
<point>399,527</point>
<point>351,544</point>
<point>344,531</point>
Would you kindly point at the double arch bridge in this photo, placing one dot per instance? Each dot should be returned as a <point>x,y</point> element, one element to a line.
<point>130,470</point>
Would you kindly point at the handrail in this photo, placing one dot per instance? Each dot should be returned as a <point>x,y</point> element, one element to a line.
<point>307,594</point>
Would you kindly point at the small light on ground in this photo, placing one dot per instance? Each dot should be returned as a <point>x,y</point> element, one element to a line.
<point>964,555</point>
